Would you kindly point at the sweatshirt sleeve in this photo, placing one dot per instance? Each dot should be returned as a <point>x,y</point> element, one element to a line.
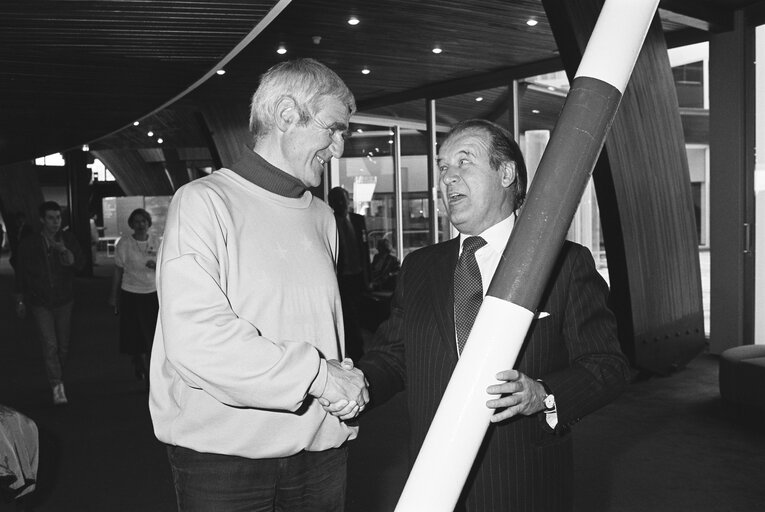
<point>206,343</point>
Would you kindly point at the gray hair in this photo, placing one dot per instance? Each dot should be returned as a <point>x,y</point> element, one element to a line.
<point>306,81</point>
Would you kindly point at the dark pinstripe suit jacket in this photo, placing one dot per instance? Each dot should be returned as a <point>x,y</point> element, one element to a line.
<point>522,465</point>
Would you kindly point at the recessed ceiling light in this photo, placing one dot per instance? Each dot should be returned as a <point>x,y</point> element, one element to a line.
<point>281,50</point>
<point>436,50</point>
<point>353,20</point>
<point>136,123</point>
<point>365,71</point>
<point>221,72</point>
<point>550,88</point>
<point>150,134</point>
<point>535,111</point>
<point>160,141</point>
<point>390,142</point>
<point>531,22</point>
<point>479,98</point>
<point>359,130</point>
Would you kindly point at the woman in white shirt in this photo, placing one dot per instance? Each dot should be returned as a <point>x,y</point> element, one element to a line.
<point>134,292</point>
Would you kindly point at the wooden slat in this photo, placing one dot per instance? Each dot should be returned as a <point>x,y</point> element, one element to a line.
<point>645,201</point>
<point>228,125</point>
<point>135,176</point>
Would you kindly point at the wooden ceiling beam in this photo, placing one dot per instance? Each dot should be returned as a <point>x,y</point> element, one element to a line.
<point>693,15</point>
<point>464,85</point>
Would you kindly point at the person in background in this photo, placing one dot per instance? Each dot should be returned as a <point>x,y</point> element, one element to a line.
<point>571,363</point>
<point>134,291</point>
<point>46,266</point>
<point>385,267</point>
<point>352,267</point>
<point>93,240</point>
<point>249,342</point>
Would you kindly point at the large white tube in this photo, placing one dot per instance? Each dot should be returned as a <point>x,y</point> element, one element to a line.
<point>616,41</point>
<point>460,423</point>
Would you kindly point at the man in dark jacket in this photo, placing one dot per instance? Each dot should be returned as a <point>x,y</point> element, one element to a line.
<point>46,265</point>
<point>352,267</point>
<point>570,365</point>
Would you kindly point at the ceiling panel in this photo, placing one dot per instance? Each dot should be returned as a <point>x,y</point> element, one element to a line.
<point>74,71</point>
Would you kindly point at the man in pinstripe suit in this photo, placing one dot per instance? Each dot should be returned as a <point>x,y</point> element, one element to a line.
<point>571,363</point>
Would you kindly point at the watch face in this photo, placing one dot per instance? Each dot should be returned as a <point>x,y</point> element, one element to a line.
<point>550,402</point>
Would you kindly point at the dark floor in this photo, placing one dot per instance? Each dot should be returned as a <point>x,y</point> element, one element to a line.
<point>666,445</point>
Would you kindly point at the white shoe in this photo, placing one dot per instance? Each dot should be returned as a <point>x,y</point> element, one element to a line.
<point>59,396</point>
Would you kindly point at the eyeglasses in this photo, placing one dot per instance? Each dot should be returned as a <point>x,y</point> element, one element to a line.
<point>337,131</point>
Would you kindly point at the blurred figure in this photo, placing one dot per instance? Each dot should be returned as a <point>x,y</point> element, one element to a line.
<point>93,240</point>
<point>46,265</point>
<point>18,229</point>
<point>352,267</point>
<point>385,267</point>
<point>134,292</point>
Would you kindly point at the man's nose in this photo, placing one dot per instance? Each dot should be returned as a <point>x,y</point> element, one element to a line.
<point>450,175</point>
<point>337,147</point>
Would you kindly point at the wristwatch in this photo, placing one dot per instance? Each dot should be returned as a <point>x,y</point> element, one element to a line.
<point>549,399</point>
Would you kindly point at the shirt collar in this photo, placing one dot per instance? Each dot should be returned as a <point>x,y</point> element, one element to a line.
<point>255,169</point>
<point>496,236</point>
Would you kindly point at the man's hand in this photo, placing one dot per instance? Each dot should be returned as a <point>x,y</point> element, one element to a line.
<point>520,395</point>
<point>346,394</point>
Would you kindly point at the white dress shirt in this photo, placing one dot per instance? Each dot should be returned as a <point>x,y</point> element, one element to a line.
<point>488,258</point>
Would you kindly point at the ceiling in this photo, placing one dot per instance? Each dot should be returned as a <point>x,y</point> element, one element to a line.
<point>75,72</point>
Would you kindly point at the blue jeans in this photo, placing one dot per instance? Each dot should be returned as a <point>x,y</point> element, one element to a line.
<point>305,482</point>
<point>53,326</point>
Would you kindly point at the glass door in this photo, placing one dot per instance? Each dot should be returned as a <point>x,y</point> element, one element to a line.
<point>757,232</point>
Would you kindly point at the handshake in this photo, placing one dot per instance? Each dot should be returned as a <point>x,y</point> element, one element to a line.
<point>346,394</point>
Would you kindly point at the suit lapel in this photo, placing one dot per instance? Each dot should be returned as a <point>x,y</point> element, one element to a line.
<point>441,277</point>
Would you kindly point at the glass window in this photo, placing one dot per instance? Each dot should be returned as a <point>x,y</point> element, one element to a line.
<point>56,159</point>
<point>366,172</point>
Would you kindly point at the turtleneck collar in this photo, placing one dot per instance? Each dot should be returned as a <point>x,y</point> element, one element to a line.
<point>254,168</point>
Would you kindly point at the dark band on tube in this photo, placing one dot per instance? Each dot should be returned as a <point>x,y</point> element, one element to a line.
<point>555,192</point>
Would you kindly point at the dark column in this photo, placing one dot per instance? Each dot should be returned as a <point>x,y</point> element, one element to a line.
<point>430,115</point>
<point>20,192</point>
<point>731,134</point>
<point>645,200</point>
<point>209,140</point>
<point>78,178</point>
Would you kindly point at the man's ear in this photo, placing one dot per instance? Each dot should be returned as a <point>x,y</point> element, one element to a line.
<point>286,113</point>
<point>507,170</point>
